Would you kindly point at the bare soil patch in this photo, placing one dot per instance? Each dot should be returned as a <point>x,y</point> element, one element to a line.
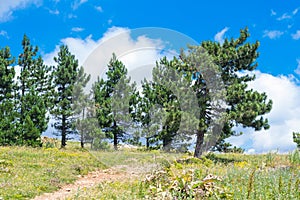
<point>87,181</point>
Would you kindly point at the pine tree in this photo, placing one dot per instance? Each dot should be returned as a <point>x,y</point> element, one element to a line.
<point>65,75</point>
<point>89,130</point>
<point>160,112</point>
<point>113,97</point>
<point>166,106</point>
<point>7,86</point>
<point>33,92</point>
<point>82,102</point>
<point>149,115</point>
<point>244,106</point>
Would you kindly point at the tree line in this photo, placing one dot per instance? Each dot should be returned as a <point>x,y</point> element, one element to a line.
<point>117,110</point>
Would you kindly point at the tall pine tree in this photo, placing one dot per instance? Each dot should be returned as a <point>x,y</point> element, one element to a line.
<point>113,97</point>
<point>244,107</point>
<point>65,75</point>
<point>82,105</point>
<point>172,99</point>
<point>7,86</point>
<point>160,117</point>
<point>34,84</point>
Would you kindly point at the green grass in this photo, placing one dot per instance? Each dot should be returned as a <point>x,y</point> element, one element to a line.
<point>269,176</point>
<point>27,172</point>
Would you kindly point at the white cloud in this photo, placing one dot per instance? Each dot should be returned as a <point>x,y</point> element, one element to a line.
<point>297,70</point>
<point>77,29</point>
<point>8,7</point>
<point>284,16</point>
<point>274,34</point>
<point>296,35</point>
<point>284,117</point>
<point>219,37</point>
<point>99,8</point>
<point>72,16</point>
<point>4,34</point>
<point>273,13</point>
<point>139,54</point>
<point>80,48</point>
<point>54,12</point>
<point>78,3</point>
<point>17,73</point>
<point>295,11</point>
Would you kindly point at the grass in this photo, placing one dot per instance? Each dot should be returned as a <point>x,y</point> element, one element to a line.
<point>26,172</point>
<point>243,177</point>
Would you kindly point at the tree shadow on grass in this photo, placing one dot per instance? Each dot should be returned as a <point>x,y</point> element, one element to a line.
<point>217,159</point>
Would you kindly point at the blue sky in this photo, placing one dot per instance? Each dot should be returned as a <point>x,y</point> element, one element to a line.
<point>46,22</point>
<point>82,24</point>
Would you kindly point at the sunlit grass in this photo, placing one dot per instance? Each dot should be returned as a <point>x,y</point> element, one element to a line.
<point>26,172</point>
<point>269,176</point>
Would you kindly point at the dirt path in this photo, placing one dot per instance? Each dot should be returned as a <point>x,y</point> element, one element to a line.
<point>87,181</point>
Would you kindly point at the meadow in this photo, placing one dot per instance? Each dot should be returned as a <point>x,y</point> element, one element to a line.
<point>28,172</point>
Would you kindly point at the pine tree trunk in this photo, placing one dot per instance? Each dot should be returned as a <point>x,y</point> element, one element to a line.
<point>92,142</point>
<point>63,132</point>
<point>21,102</point>
<point>147,143</point>
<point>82,143</point>
<point>200,139</point>
<point>115,131</point>
<point>166,143</point>
<point>82,131</point>
<point>115,141</point>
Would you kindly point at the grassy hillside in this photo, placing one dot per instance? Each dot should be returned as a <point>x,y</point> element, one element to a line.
<point>27,172</point>
<point>224,176</point>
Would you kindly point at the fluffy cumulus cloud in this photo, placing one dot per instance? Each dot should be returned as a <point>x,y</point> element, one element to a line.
<point>284,117</point>
<point>219,37</point>
<point>8,7</point>
<point>79,47</point>
<point>138,54</point>
<point>274,34</point>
